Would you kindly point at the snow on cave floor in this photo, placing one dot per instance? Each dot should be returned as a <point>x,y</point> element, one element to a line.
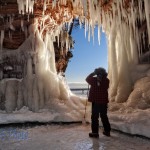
<point>66,137</point>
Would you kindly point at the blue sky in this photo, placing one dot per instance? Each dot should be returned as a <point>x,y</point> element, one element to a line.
<point>86,56</point>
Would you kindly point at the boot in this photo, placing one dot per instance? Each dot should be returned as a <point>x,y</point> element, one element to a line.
<point>94,135</point>
<point>106,133</point>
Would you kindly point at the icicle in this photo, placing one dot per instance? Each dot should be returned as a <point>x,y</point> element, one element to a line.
<point>113,9</point>
<point>1,42</point>
<point>26,32</point>
<point>112,59</point>
<point>85,28</point>
<point>28,18</point>
<point>99,15</point>
<point>29,67</point>
<point>12,27</point>
<point>133,18</point>
<point>22,24</point>
<point>99,34</point>
<point>137,40</point>
<point>10,24</point>
<point>21,6</point>
<point>31,4</point>
<point>104,21</point>
<point>80,22</point>
<point>119,12</point>
<point>52,56</point>
<point>29,82</point>
<point>93,33</point>
<point>27,4</point>
<point>84,5</point>
<point>89,34</point>
<point>140,11</point>
<point>44,6</point>
<point>147,12</point>
<point>95,2</point>
<point>54,4</point>
<point>134,53</point>
<point>144,42</point>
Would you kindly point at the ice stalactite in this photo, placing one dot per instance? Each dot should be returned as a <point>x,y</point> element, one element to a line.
<point>124,79</point>
<point>22,25</point>
<point>10,23</point>
<point>1,49</point>
<point>140,11</point>
<point>28,4</point>
<point>53,3</point>
<point>29,82</point>
<point>112,61</point>
<point>121,60</point>
<point>20,6</point>
<point>134,52</point>
<point>147,12</point>
<point>26,32</point>
<point>52,55</point>
<point>124,48</point>
<point>48,82</point>
<point>1,43</point>
<point>44,6</point>
<point>41,85</point>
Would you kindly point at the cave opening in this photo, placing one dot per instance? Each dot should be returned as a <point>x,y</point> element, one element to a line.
<point>87,55</point>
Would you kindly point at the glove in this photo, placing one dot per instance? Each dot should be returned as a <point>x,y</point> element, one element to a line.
<point>96,71</point>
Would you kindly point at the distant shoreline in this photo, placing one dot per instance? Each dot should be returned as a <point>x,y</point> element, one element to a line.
<point>77,85</point>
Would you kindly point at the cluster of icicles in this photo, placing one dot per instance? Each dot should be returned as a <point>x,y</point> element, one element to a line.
<point>38,90</point>
<point>98,16</point>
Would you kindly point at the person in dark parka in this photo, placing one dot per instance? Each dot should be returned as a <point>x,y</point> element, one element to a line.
<point>98,96</point>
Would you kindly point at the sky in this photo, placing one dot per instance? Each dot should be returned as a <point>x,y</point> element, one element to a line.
<point>86,55</point>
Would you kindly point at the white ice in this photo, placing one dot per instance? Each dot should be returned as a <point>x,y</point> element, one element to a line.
<point>122,117</point>
<point>66,137</point>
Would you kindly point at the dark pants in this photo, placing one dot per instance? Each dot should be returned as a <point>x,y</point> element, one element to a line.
<point>102,110</point>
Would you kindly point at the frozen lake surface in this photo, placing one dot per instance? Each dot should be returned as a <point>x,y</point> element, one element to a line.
<point>66,137</point>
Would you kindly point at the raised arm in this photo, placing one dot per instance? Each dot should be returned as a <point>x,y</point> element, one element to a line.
<point>89,78</point>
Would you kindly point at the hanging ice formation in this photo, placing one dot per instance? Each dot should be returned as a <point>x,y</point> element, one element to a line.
<point>25,6</point>
<point>124,42</point>
<point>119,22</point>
<point>1,42</point>
<point>36,90</point>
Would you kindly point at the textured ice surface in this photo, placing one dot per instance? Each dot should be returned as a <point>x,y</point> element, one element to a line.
<point>67,137</point>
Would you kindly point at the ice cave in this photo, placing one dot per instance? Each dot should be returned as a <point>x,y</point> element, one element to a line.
<point>35,45</point>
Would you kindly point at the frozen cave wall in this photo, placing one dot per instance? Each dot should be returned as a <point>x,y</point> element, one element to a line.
<point>128,50</point>
<point>32,62</point>
<point>41,83</point>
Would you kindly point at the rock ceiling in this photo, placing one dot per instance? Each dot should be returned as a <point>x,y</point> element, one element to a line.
<point>15,22</point>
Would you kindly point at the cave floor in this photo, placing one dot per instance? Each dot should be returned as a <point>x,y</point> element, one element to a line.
<point>66,137</point>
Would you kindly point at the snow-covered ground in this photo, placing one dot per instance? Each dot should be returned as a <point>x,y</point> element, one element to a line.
<point>66,137</point>
<point>128,120</point>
